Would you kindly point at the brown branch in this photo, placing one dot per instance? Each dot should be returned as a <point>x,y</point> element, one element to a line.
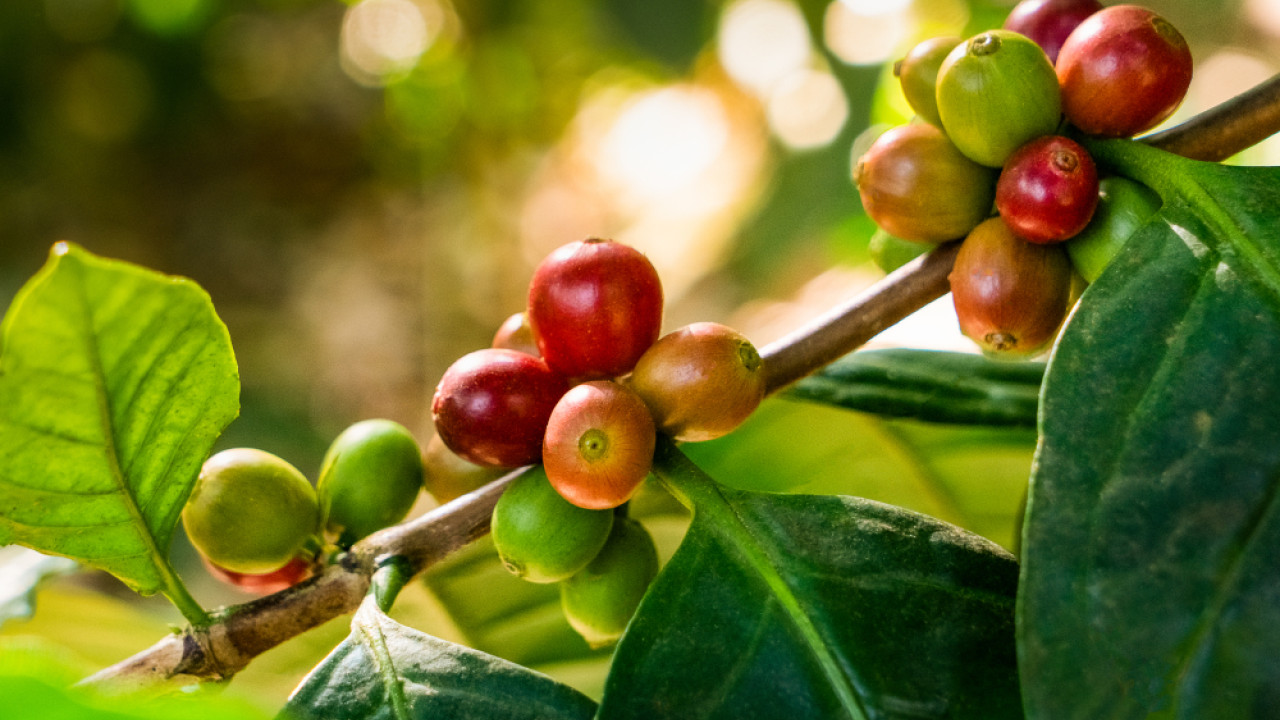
<point>245,631</point>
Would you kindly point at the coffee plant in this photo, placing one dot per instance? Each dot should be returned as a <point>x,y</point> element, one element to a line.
<point>1124,299</point>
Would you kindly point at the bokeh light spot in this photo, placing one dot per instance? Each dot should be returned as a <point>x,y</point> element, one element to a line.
<point>808,109</point>
<point>382,38</point>
<point>761,42</point>
<point>867,32</point>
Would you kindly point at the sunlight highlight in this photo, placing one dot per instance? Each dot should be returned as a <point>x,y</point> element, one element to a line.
<point>761,42</point>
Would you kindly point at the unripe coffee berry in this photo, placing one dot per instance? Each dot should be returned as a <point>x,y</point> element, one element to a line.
<point>599,444</point>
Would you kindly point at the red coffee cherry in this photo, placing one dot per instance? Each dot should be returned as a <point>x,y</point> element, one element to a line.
<point>1122,71</point>
<point>492,405</point>
<point>1049,22</point>
<point>594,307</point>
<point>701,381</point>
<point>599,445</point>
<point>1010,295</point>
<point>297,570</point>
<point>516,334</point>
<point>1048,189</point>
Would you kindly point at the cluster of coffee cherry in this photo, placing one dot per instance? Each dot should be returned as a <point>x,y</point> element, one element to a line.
<point>260,525</point>
<point>578,386</point>
<point>994,116</point>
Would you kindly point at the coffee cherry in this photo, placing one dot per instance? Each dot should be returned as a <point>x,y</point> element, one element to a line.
<point>542,537</point>
<point>594,307</point>
<point>701,381</point>
<point>1049,22</point>
<point>600,600</point>
<point>917,186</point>
<point>492,405</point>
<point>516,334</point>
<point>1048,189</point>
<point>1122,71</point>
<point>918,74</point>
<point>599,445</point>
<point>1123,207</point>
<point>447,476</point>
<point>1010,295</point>
<point>250,512</point>
<point>890,253</point>
<point>294,572</point>
<point>369,479</point>
<point>996,92</point>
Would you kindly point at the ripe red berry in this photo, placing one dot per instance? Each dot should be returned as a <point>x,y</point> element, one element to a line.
<point>492,405</point>
<point>595,306</point>
<point>599,445</point>
<point>1123,71</point>
<point>1049,22</point>
<point>1048,189</point>
<point>294,572</point>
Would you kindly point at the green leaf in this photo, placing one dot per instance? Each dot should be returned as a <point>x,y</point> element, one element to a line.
<point>971,476</point>
<point>1150,581</point>
<point>387,670</point>
<point>22,571</point>
<point>790,606</point>
<point>114,383</point>
<point>944,387</point>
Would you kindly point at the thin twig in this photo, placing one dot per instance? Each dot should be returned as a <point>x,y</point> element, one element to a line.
<point>245,631</point>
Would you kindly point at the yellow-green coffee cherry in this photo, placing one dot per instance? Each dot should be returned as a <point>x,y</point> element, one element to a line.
<point>997,91</point>
<point>250,511</point>
<point>600,600</point>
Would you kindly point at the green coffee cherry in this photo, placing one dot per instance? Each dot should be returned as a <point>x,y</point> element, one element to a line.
<point>918,74</point>
<point>600,600</point>
<point>890,253</point>
<point>1123,207</point>
<point>250,511</point>
<point>369,479</point>
<point>996,92</point>
<point>542,537</point>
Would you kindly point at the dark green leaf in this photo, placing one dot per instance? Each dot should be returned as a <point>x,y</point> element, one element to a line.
<point>1150,581</point>
<point>790,606</point>
<point>387,670</point>
<point>945,387</point>
<point>114,383</point>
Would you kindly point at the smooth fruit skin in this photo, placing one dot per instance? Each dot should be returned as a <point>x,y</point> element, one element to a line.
<point>1049,22</point>
<point>515,333</point>
<point>369,479</point>
<point>890,253</point>
<point>491,406</point>
<point>447,476</point>
<point>250,511</point>
<point>600,600</point>
<point>1048,189</point>
<point>918,75</point>
<point>599,445</point>
<point>1010,295</point>
<point>996,92</point>
<point>701,381</point>
<point>294,572</point>
<point>1123,207</point>
<point>594,306</point>
<point>542,537</point>
<point>1123,71</point>
<point>917,186</point>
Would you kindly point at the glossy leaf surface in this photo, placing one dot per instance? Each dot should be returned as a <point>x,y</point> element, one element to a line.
<point>790,606</point>
<point>387,670</point>
<point>946,387</point>
<point>1150,580</point>
<point>114,383</point>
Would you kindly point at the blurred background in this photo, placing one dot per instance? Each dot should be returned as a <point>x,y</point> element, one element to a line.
<point>365,187</point>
